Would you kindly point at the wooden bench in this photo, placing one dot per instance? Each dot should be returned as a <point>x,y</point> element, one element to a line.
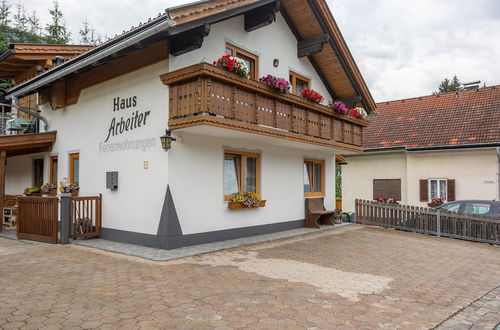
<point>316,214</point>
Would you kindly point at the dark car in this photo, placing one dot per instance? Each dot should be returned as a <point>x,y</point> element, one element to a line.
<point>475,207</point>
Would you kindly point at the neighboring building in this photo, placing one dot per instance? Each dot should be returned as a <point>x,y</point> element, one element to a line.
<point>108,107</point>
<point>439,146</point>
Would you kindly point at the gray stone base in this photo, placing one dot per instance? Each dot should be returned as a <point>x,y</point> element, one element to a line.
<point>177,241</point>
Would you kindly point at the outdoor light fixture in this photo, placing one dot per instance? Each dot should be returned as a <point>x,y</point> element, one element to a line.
<point>276,62</point>
<point>166,140</point>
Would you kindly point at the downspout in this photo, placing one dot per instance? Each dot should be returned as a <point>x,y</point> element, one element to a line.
<point>27,111</point>
<point>498,175</point>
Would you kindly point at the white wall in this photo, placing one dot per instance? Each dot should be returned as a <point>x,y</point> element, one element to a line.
<point>83,127</point>
<point>196,181</point>
<point>270,42</point>
<point>475,174</point>
<point>19,173</point>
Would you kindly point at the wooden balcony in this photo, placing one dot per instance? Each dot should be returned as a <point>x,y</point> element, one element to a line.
<point>203,94</point>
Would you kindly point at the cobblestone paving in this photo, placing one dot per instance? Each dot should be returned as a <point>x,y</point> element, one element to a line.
<point>483,313</point>
<point>353,277</point>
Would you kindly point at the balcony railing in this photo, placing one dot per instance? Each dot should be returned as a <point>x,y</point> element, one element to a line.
<point>15,122</point>
<point>203,94</point>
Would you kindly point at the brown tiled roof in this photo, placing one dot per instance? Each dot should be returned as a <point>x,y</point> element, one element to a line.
<point>453,119</point>
<point>51,49</point>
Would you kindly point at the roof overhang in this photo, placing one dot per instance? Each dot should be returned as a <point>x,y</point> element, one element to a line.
<point>22,144</point>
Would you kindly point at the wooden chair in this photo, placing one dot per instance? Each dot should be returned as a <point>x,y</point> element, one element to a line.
<point>316,214</point>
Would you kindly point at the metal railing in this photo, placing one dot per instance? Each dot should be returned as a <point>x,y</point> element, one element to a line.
<point>15,120</point>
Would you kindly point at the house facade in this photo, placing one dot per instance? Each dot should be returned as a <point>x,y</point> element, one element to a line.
<point>438,146</point>
<point>108,107</point>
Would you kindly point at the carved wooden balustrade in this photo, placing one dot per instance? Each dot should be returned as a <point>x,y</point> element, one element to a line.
<point>203,94</point>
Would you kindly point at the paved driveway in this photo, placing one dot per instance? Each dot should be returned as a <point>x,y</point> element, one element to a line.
<point>353,277</point>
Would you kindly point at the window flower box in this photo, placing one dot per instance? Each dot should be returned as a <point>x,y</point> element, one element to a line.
<point>240,205</point>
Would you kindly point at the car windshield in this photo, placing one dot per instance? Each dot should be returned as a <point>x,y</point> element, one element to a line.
<point>452,207</point>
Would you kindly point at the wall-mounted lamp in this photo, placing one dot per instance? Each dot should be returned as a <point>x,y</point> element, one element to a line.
<point>166,140</point>
<point>276,62</point>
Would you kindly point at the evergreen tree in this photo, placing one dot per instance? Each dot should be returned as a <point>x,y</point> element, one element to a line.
<point>447,86</point>
<point>4,14</point>
<point>20,19</point>
<point>56,32</point>
<point>34,24</point>
<point>85,33</point>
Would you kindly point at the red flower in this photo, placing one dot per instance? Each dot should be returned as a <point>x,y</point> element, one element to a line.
<point>312,95</point>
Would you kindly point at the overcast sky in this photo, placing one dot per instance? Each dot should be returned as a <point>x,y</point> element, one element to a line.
<point>403,48</point>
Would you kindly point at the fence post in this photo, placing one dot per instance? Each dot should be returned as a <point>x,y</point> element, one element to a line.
<point>438,223</point>
<point>65,218</point>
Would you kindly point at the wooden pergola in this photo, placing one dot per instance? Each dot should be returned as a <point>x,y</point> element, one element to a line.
<point>16,145</point>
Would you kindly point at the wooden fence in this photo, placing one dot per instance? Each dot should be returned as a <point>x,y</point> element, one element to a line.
<point>428,221</point>
<point>37,219</point>
<point>86,215</point>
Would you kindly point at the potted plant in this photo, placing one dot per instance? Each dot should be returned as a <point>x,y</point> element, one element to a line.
<point>355,113</point>
<point>32,191</point>
<point>280,85</point>
<point>312,95</point>
<point>233,64</point>
<point>339,107</point>
<point>71,188</point>
<point>246,200</point>
<point>436,202</point>
<point>49,189</point>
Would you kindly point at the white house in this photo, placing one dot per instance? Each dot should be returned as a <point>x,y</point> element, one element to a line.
<point>437,146</point>
<point>107,108</point>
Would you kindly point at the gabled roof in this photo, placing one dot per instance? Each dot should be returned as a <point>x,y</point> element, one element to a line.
<point>459,119</point>
<point>307,18</point>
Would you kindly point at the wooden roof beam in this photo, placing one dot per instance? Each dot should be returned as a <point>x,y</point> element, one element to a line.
<point>312,46</point>
<point>262,16</point>
<point>190,40</point>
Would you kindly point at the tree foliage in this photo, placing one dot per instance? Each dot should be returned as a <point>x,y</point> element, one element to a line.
<point>447,86</point>
<point>56,31</point>
<point>88,35</point>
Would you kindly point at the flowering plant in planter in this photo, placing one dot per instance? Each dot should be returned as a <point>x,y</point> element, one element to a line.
<point>47,188</point>
<point>246,200</point>
<point>312,95</point>
<point>362,111</point>
<point>437,201</point>
<point>355,113</point>
<point>279,84</point>
<point>339,107</point>
<point>233,64</point>
<point>32,191</point>
<point>386,200</point>
<point>69,188</point>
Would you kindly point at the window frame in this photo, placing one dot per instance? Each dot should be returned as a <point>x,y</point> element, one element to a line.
<point>53,159</point>
<point>72,158</point>
<point>242,171</point>
<point>387,191</point>
<point>249,56</point>
<point>314,193</point>
<point>429,188</point>
<point>293,81</point>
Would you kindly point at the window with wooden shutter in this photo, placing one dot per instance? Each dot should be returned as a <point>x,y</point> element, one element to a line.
<point>387,188</point>
<point>424,190</point>
<point>451,190</point>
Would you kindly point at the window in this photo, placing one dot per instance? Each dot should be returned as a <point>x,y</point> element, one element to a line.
<point>250,59</point>
<point>74,168</point>
<point>387,188</point>
<point>299,83</point>
<point>314,177</point>
<point>37,172</point>
<point>477,208</point>
<point>437,189</point>
<point>453,207</point>
<point>53,170</point>
<point>241,173</point>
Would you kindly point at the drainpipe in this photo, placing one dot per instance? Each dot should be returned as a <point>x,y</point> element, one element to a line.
<point>498,176</point>
<point>27,111</point>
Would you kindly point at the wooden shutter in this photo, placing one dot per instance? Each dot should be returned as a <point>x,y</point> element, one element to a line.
<point>378,189</point>
<point>424,190</point>
<point>394,189</point>
<point>451,190</point>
